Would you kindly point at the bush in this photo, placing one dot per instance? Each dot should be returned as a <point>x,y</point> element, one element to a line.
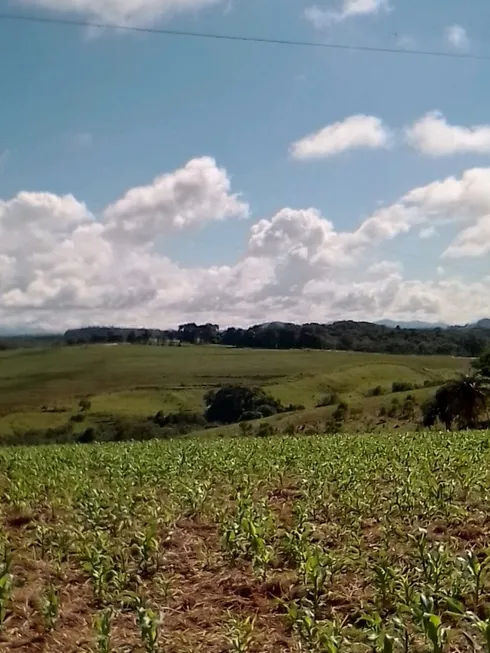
<point>181,422</point>
<point>402,386</point>
<point>250,415</point>
<point>409,407</point>
<point>246,428</point>
<point>291,408</point>
<point>85,404</point>
<point>265,430</point>
<point>375,392</point>
<point>267,410</point>
<point>87,436</point>
<point>394,408</point>
<point>77,417</point>
<point>341,412</point>
<point>329,399</point>
<point>228,404</point>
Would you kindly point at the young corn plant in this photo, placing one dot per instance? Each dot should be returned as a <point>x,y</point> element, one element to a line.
<point>475,571</point>
<point>103,626</point>
<point>318,572</point>
<point>316,636</point>
<point>482,627</point>
<point>145,548</point>
<point>403,633</point>
<point>148,624</point>
<point>385,577</point>
<point>435,632</point>
<point>50,607</point>
<point>5,593</point>
<point>380,640</point>
<point>240,634</point>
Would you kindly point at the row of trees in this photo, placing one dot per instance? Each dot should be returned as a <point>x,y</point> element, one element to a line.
<point>462,402</point>
<point>347,336</point>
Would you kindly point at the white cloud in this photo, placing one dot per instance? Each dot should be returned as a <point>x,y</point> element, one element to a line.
<point>473,241</point>
<point>384,269</point>
<point>122,12</point>
<point>434,136</point>
<point>427,232</point>
<point>321,18</point>
<point>457,37</point>
<point>352,133</point>
<point>61,266</point>
<point>189,197</point>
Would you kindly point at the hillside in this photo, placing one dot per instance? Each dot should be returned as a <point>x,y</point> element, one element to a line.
<point>338,336</point>
<point>41,388</point>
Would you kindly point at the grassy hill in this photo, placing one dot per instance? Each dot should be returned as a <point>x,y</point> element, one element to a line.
<point>41,388</point>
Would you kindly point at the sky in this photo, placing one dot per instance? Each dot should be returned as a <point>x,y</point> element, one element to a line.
<point>150,179</point>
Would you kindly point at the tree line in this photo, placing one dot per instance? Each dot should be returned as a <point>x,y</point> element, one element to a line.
<point>345,336</point>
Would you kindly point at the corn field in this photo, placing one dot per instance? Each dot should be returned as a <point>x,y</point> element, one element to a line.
<point>349,543</point>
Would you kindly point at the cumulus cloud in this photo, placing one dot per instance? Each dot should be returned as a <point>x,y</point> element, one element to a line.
<point>62,266</point>
<point>134,13</point>
<point>434,136</point>
<point>473,241</point>
<point>324,17</point>
<point>189,197</point>
<point>427,232</point>
<point>457,37</point>
<point>354,132</point>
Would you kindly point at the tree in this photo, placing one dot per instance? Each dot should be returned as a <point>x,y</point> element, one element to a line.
<point>459,401</point>
<point>233,403</point>
<point>482,365</point>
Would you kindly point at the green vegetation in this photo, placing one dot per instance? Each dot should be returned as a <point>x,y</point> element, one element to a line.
<point>350,543</point>
<point>58,394</point>
<point>344,336</point>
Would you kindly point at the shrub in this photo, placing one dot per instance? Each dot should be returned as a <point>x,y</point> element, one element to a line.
<point>87,436</point>
<point>341,412</point>
<point>85,404</point>
<point>228,404</point>
<point>267,410</point>
<point>246,428</point>
<point>401,386</point>
<point>250,415</point>
<point>291,408</point>
<point>329,399</point>
<point>181,422</point>
<point>265,430</point>
<point>376,392</point>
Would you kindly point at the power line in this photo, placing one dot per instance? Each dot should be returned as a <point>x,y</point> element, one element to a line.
<point>246,39</point>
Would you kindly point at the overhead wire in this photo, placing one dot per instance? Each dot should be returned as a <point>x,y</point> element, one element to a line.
<point>73,22</point>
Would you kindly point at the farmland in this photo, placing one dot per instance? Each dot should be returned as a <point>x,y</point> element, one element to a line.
<point>41,388</point>
<point>343,543</point>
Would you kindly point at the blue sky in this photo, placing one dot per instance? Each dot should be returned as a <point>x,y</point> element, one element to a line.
<point>95,115</point>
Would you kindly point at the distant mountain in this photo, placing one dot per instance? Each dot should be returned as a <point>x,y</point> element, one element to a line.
<point>415,324</point>
<point>482,324</point>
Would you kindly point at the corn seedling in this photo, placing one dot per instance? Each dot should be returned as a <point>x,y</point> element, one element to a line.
<point>240,634</point>
<point>103,625</point>
<point>50,607</point>
<point>148,624</point>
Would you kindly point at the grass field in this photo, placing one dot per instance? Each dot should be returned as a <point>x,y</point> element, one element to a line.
<point>41,388</point>
<point>322,544</point>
